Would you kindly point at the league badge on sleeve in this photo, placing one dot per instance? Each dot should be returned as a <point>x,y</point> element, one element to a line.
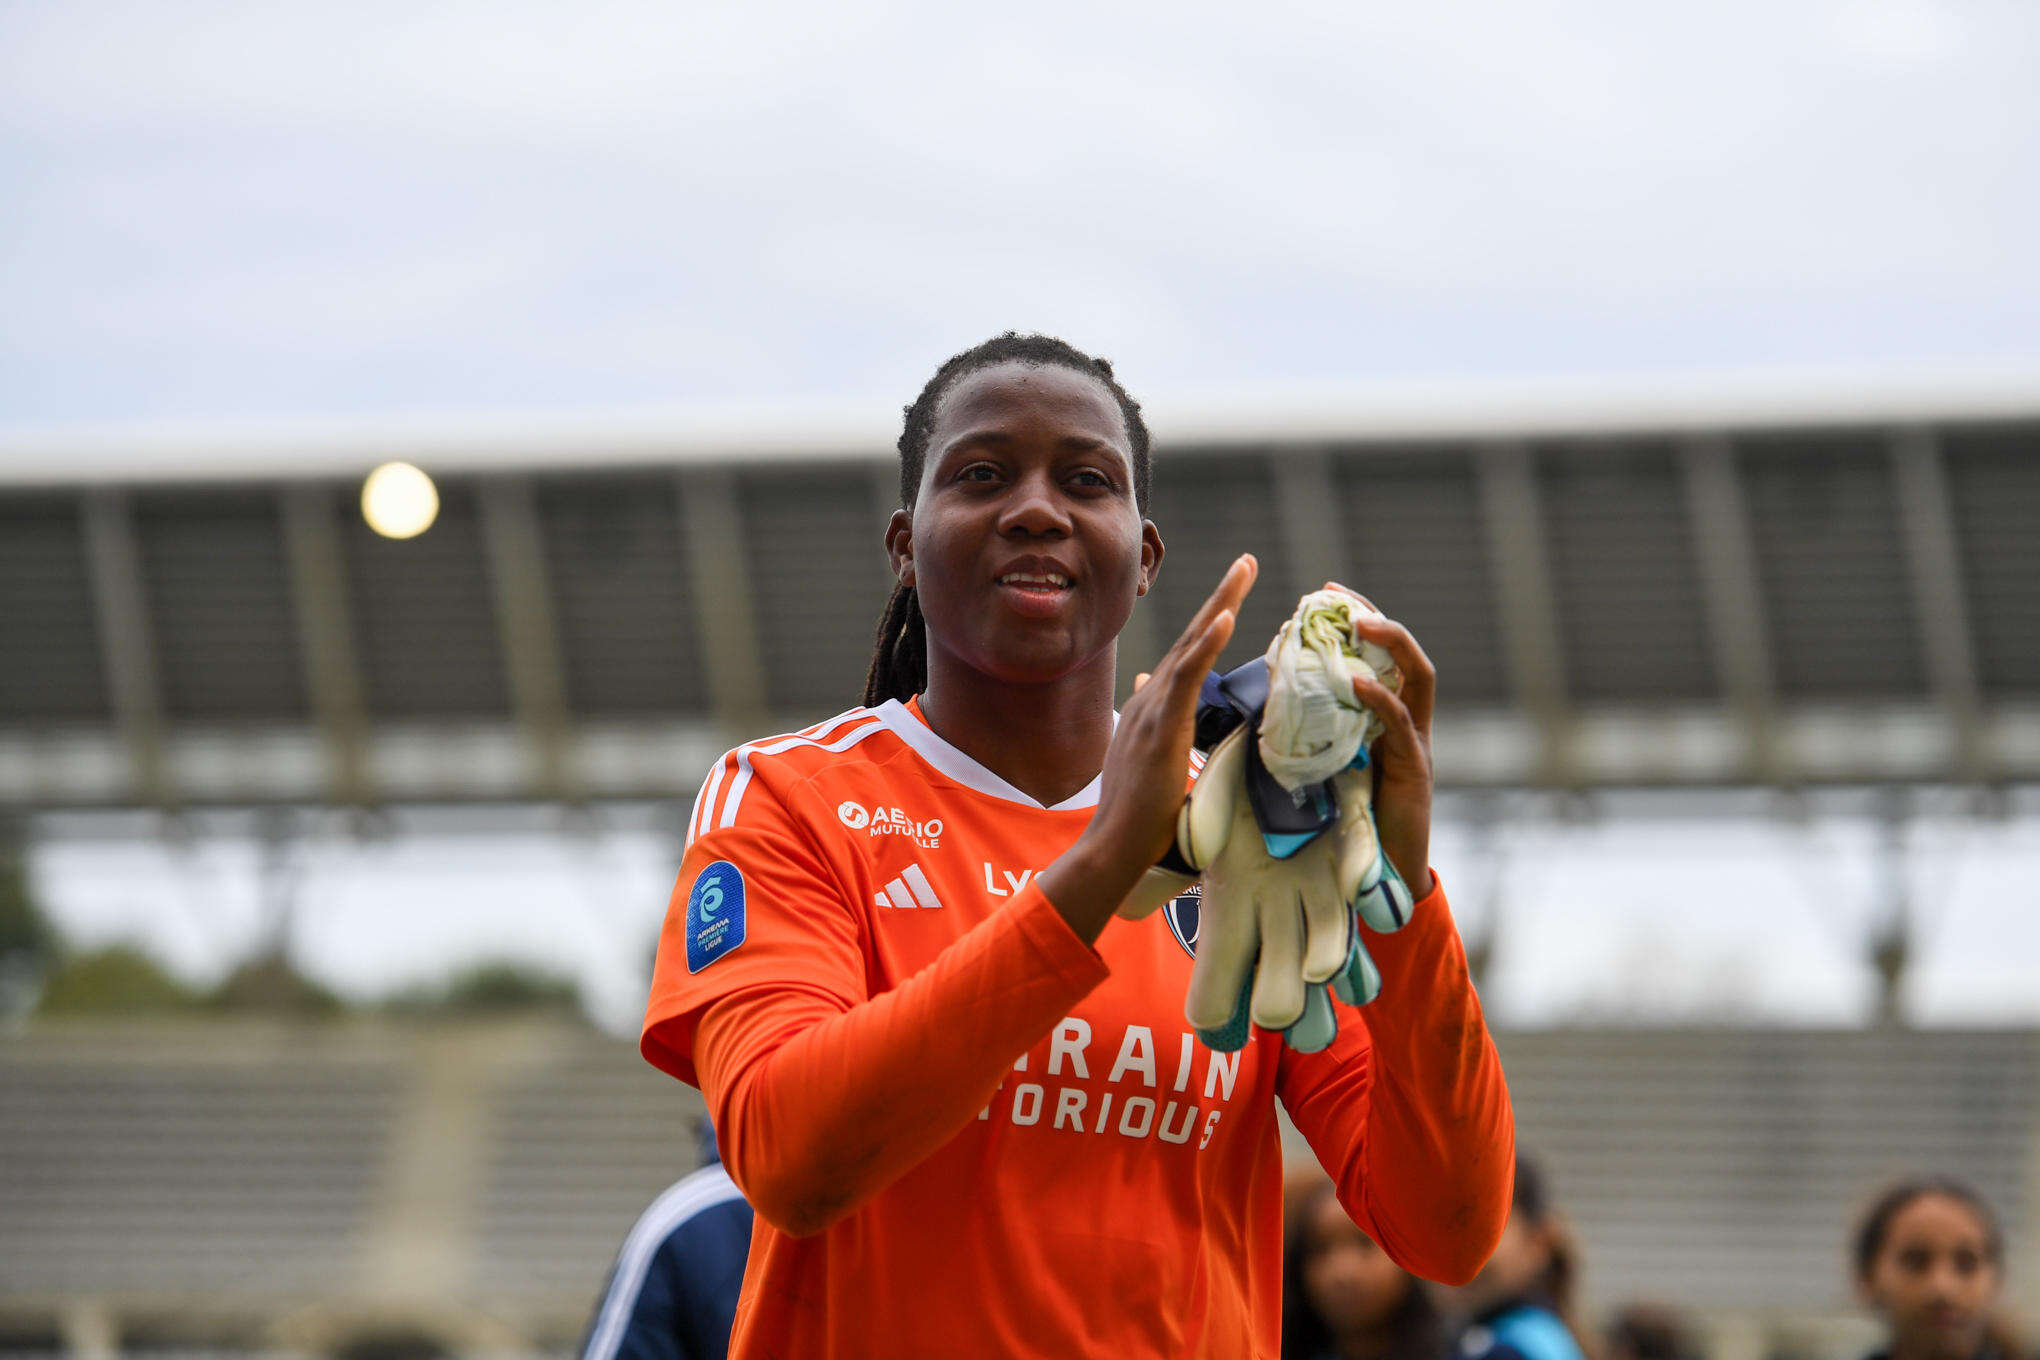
<point>715,914</point>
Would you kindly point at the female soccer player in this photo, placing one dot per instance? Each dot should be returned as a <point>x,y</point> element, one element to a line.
<point>959,1092</point>
<point>1929,1257</point>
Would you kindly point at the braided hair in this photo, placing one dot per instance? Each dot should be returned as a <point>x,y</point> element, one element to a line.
<point>899,658</point>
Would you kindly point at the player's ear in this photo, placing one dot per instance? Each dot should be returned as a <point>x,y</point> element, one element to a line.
<point>1150,555</point>
<point>899,546</point>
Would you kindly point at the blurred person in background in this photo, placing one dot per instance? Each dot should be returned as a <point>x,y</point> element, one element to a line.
<point>1650,1331</point>
<point>958,1090</point>
<point>1343,1297</point>
<point>1521,1304</point>
<point>1929,1259</point>
<point>672,1291</point>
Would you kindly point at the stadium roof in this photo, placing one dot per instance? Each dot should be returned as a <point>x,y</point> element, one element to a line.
<point>1777,579</point>
<point>1442,410</point>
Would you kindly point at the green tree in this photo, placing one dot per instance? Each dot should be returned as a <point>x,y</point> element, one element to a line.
<point>24,931</point>
<point>272,985</point>
<point>118,980</point>
<point>494,988</point>
<point>28,943</point>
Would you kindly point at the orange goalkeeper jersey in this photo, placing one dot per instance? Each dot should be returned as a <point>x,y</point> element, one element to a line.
<point>966,1132</point>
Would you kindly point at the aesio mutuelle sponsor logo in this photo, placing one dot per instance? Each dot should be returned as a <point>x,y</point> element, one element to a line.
<point>885,821</point>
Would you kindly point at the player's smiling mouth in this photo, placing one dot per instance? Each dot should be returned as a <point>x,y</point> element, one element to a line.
<point>1028,580</point>
<point>1038,576</point>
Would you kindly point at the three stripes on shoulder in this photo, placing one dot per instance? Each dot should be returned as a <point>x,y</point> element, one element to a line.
<point>838,734</point>
<point>909,890</point>
<point>715,806</point>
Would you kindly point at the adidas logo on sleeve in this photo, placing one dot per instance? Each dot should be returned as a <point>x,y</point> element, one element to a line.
<point>910,890</point>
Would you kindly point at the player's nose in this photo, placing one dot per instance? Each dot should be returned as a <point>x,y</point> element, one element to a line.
<point>1034,507</point>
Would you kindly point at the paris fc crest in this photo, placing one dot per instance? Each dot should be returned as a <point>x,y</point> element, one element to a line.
<point>1181,914</point>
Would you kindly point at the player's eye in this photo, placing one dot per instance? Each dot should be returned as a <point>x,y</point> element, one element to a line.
<point>1091,481</point>
<point>978,472</point>
<point>1913,1261</point>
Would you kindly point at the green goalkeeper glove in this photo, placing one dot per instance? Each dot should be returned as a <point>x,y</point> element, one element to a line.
<point>1274,936</point>
<point>1286,861</point>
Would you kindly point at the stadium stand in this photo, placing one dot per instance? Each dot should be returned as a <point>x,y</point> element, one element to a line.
<point>1719,1167</point>
<point>576,1148</point>
<point>221,1171</point>
<point>444,1175</point>
<point>242,1165</point>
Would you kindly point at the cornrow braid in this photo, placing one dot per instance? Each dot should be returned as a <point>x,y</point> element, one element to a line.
<point>899,659</point>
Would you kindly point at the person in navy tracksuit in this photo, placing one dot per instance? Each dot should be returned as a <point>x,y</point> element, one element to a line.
<point>672,1292</point>
<point>1519,1306</point>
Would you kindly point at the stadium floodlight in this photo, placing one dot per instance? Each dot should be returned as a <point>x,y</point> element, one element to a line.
<point>399,501</point>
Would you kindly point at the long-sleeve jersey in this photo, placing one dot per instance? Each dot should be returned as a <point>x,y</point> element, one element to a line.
<point>966,1132</point>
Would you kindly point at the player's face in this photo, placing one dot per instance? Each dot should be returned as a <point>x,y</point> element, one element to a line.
<point>1934,1280</point>
<point>1025,545</point>
<point>1347,1278</point>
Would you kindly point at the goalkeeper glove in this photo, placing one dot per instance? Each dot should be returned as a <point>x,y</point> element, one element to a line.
<point>1288,858</point>
<point>1276,935</point>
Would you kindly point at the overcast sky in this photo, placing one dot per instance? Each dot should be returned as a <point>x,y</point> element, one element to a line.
<point>215,210</point>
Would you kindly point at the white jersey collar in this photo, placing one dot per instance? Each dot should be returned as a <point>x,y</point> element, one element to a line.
<point>956,765</point>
